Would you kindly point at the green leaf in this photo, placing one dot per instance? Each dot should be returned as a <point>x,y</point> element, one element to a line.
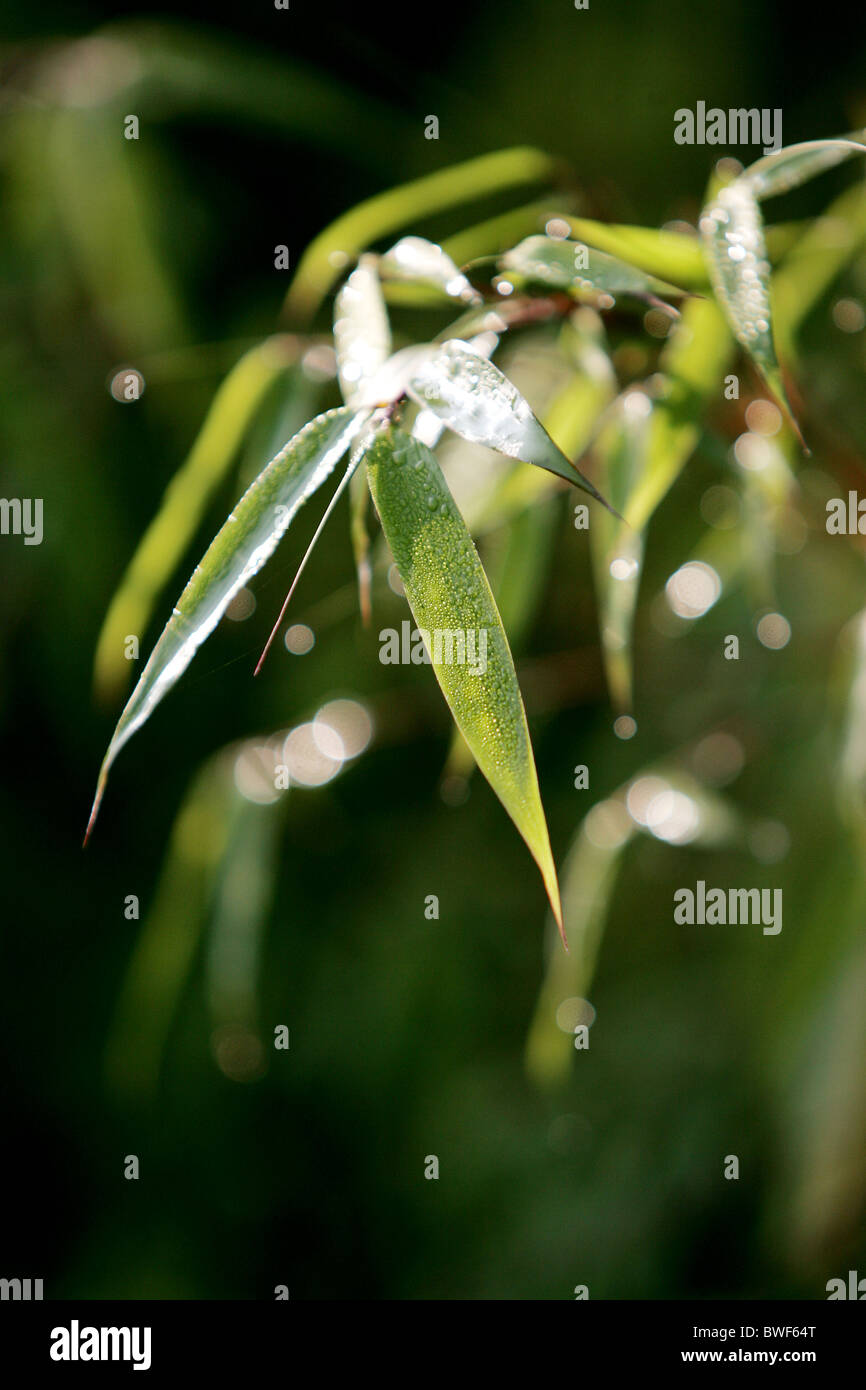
<point>448,592</point>
<point>418,261</point>
<point>398,207</point>
<point>687,813</point>
<point>576,268</point>
<point>359,496</point>
<point>570,419</point>
<point>691,368</point>
<point>362,334</point>
<point>673,256</point>
<point>170,936</point>
<point>182,507</point>
<point>496,234</point>
<point>617,551</point>
<point>790,167</point>
<point>813,263</point>
<point>733,232</point>
<point>238,551</point>
<point>481,405</point>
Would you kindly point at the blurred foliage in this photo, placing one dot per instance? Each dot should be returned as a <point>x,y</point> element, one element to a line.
<point>409,1036</point>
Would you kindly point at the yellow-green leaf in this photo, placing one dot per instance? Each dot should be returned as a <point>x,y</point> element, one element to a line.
<point>448,593</point>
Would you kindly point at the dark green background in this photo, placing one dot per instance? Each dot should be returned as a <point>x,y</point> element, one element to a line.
<point>407,1035</point>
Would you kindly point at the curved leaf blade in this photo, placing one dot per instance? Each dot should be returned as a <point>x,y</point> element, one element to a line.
<point>362,334</point>
<point>186,497</point>
<point>733,232</point>
<point>418,261</point>
<point>477,402</point>
<point>675,257</point>
<point>387,212</point>
<point>790,167</point>
<point>574,267</point>
<point>238,551</point>
<point>448,592</point>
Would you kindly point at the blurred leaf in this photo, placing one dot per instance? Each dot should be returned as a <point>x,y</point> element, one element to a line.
<point>388,212</point>
<point>588,882</point>
<point>166,69</point>
<point>171,932</point>
<point>518,578</point>
<point>187,495</point>
<point>105,202</point>
<point>692,367</point>
<point>788,168</point>
<point>687,814</point>
<point>417,260</point>
<point>241,900</point>
<point>674,257</point>
<point>476,401</point>
<point>621,454</point>
<point>239,550</point>
<point>362,334</point>
<point>813,263</point>
<point>766,491</point>
<point>359,495</point>
<point>496,234</point>
<point>447,590</point>
<point>559,263</point>
<point>852,760</point>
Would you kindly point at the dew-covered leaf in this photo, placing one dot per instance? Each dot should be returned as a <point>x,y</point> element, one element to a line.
<point>675,257</point>
<point>794,165</point>
<point>187,495</point>
<point>387,212</point>
<point>418,261</point>
<point>477,402</point>
<point>362,334</point>
<point>448,594</point>
<point>733,232</point>
<point>238,551</point>
<point>570,418</point>
<point>576,268</point>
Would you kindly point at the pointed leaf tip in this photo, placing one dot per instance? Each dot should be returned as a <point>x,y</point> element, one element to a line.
<point>239,550</point>
<point>452,604</point>
<point>479,403</point>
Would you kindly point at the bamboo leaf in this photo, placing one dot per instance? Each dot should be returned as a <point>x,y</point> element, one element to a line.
<point>448,593</point>
<point>733,233</point>
<point>673,256</point>
<point>790,167</point>
<point>359,495</point>
<point>183,505</point>
<point>617,550</point>
<point>663,801</point>
<point>238,551</point>
<point>362,334</point>
<point>388,212</point>
<point>418,261</point>
<point>481,405</point>
<point>692,365</point>
<point>576,268</point>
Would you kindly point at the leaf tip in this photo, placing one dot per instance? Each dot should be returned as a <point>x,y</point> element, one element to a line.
<point>94,810</point>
